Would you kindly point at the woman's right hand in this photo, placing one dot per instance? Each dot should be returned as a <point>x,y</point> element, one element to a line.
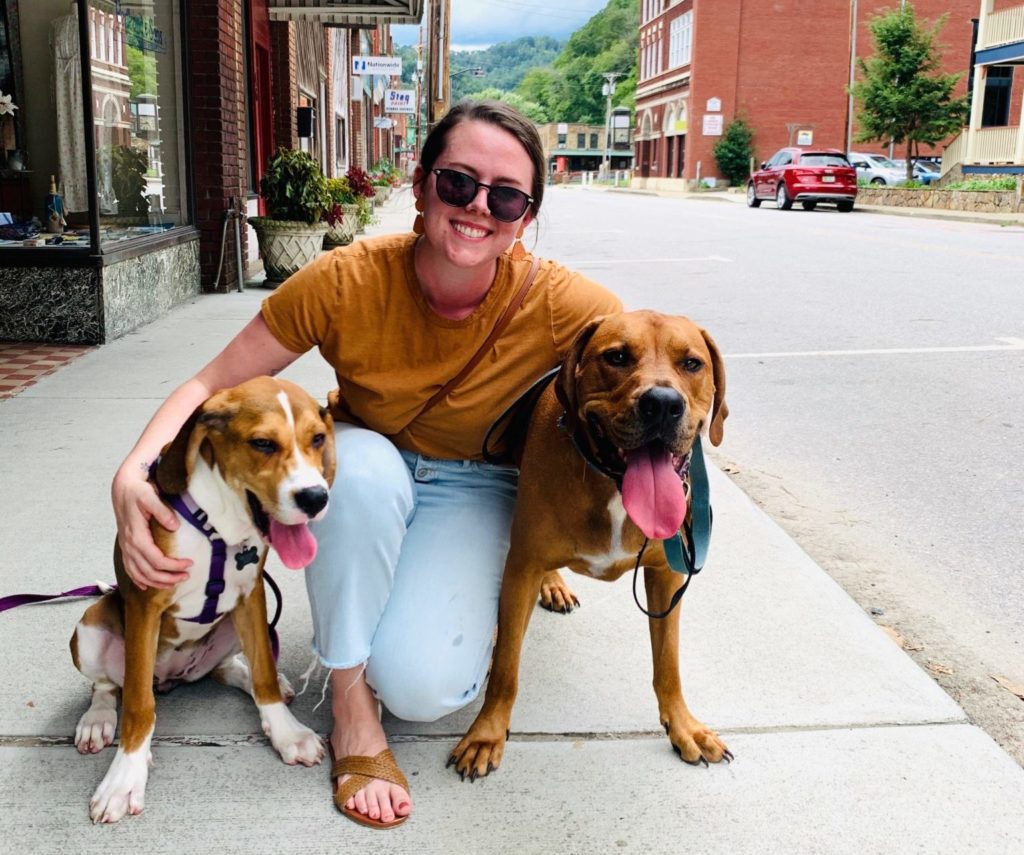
<point>135,503</point>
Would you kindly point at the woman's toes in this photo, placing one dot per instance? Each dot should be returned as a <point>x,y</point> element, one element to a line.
<point>372,805</point>
<point>400,801</point>
<point>361,805</point>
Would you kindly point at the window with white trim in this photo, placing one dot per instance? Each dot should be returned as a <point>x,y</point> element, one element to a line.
<point>680,44</point>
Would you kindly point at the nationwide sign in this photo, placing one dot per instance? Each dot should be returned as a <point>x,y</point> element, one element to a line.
<point>399,101</point>
<point>387,65</point>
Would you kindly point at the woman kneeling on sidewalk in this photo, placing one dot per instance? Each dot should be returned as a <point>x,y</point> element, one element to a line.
<point>404,588</point>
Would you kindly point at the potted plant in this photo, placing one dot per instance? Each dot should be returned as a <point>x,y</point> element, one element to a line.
<point>364,192</point>
<point>380,180</point>
<point>343,218</point>
<point>292,233</point>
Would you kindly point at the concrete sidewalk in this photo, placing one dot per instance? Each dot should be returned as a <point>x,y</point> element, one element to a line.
<point>842,744</point>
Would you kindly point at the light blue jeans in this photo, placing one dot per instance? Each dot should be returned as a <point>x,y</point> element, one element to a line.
<point>408,572</point>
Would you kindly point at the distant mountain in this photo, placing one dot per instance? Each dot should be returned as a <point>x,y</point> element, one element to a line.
<point>504,65</point>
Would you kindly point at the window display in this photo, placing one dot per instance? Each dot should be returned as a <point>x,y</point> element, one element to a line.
<point>131,96</point>
<point>136,65</point>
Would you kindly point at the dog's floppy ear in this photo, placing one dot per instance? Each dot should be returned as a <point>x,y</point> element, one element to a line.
<point>330,461</point>
<point>565,383</point>
<point>720,410</point>
<point>179,457</point>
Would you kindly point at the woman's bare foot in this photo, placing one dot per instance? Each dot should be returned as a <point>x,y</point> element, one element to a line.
<point>357,730</point>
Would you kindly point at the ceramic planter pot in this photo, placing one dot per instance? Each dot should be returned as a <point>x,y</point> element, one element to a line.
<point>344,232</point>
<point>286,245</point>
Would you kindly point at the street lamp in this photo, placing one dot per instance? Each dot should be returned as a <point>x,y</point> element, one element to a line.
<point>608,90</point>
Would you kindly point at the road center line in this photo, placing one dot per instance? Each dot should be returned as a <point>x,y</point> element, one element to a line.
<point>1010,344</point>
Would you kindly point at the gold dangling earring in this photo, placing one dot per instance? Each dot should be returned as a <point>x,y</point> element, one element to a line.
<point>417,224</point>
<point>518,250</point>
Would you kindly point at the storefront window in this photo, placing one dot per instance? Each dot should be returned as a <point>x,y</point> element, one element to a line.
<point>135,62</point>
<point>48,194</point>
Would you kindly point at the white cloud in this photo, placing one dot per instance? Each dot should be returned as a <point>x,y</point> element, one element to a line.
<point>478,23</point>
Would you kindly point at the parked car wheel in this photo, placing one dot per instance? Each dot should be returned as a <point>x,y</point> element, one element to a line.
<point>844,207</point>
<point>878,181</point>
<point>782,200</point>
<point>752,200</point>
<point>809,206</point>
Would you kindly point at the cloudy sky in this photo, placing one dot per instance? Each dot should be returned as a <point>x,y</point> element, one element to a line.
<point>478,23</point>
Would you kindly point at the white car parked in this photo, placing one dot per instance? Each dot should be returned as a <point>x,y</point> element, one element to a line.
<point>877,169</point>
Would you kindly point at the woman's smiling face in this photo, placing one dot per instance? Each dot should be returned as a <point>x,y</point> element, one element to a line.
<point>470,237</point>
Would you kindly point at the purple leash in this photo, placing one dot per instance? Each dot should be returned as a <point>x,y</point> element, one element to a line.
<point>15,600</point>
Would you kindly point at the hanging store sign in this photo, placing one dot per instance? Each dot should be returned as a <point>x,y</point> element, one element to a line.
<point>388,65</point>
<point>383,123</point>
<point>399,101</point>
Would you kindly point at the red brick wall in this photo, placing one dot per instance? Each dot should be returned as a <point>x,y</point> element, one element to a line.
<point>218,105</point>
<point>284,83</point>
<point>787,63</point>
<point>357,148</point>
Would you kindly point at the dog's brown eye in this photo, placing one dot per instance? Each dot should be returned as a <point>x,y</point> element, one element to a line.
<point>692,364</point>
<point>617,358</point>
<point>264,446</point>
<point>319,439</point>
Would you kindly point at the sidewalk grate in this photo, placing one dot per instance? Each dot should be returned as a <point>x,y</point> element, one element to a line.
<point>22,363</point>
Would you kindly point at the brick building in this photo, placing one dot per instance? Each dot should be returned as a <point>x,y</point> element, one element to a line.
<point>154,119</point>
<point>570,147</point>
<point>783,64</point>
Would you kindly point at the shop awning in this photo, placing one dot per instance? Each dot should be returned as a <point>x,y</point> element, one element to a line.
<point>348,13</point>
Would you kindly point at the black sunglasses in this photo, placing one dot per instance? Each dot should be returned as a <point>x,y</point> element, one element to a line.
<point>458,189</point>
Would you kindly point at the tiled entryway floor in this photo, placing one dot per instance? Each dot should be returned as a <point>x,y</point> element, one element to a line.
<point>23,363</point>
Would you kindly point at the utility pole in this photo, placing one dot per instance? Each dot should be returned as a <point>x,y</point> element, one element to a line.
<point>608,90</point>
<point>438,84</point>
<point>853,75</point>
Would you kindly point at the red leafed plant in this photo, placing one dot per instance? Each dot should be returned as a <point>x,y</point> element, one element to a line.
<point>359,182</point>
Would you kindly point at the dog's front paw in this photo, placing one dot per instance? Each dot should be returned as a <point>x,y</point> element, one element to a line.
<point>295,742</point>
<point>480,751</point>
<point>555,595</point>
<point>123,788</point>
<point>696,743</point>
<point>95,729</point>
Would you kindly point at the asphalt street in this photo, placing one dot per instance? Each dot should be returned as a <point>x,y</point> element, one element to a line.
<point>876,383</point>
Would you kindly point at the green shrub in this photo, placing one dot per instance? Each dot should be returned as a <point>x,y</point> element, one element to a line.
<point>1006,182</point>
<point>734,151</point>
<point>295,188</point>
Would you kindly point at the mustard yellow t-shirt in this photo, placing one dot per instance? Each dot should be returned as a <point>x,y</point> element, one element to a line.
<point>362,307</point>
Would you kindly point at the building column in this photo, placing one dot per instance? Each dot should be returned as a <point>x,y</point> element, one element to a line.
<point>1019,155</point>
<point>977,104</point>
<point>218,107</point>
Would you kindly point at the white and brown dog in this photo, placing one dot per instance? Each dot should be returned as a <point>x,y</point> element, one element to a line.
<point>603,469</point>
<point>251,466</point>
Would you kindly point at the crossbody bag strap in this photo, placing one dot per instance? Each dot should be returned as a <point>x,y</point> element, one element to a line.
<point>499,328</point>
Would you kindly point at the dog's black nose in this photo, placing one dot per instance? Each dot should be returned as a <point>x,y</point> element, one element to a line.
<point>312,500</point>
<point>661,407</point>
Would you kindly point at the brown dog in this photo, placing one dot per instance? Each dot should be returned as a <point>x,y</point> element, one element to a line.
<point>634,392</point>
<point>251,466</point>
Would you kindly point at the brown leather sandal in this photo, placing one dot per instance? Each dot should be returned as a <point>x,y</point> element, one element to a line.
<point>362,771</point>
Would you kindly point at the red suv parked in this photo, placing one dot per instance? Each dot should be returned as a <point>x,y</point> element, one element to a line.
<point>807,176</point>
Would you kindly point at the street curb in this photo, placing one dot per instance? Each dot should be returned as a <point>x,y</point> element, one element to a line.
<point>920,213</point>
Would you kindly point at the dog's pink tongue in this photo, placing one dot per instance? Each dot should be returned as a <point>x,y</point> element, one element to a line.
<point>295,544</point>
<point>652,492</point>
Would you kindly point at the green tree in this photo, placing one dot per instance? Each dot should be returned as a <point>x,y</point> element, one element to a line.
<point>733,151</point>
<point>570,90</point>
<point>141,72</point>
<point>532,110</point>
<point>902,96</point>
